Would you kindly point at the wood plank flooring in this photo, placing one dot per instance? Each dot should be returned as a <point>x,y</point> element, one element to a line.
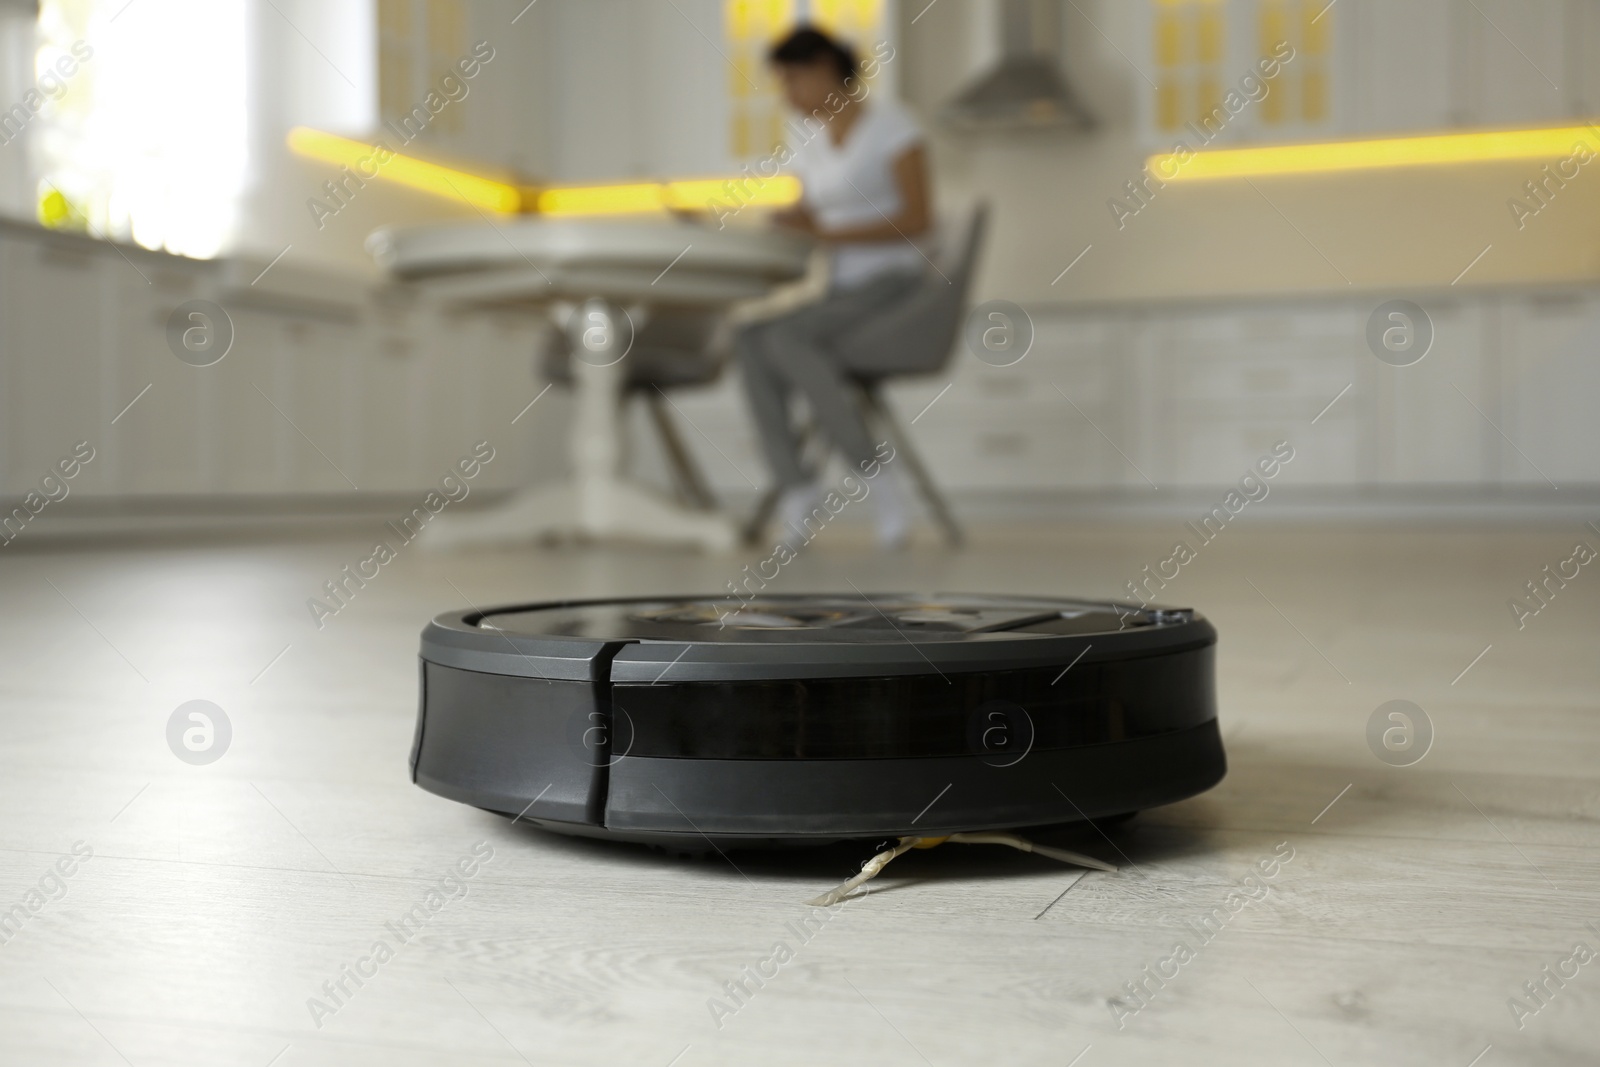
<point>219,899</point>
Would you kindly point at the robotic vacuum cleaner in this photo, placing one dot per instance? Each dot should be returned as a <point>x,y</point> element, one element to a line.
<point>816,718</point>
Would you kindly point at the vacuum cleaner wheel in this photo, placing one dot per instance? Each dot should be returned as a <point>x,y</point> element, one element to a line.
<point>687,721</point>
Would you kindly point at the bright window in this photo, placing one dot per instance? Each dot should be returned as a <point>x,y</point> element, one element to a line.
<point>150,141</point>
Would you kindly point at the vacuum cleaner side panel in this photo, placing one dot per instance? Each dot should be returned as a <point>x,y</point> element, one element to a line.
<point>935,795</point>
<point>539,732</point>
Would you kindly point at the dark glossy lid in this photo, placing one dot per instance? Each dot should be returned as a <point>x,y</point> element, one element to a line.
<point>678,639</point>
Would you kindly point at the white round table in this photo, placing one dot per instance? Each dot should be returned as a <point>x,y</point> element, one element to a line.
<point>615,272</point>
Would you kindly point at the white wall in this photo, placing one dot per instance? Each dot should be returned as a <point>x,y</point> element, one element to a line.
<point>509,113</point>
<point>636,90</point>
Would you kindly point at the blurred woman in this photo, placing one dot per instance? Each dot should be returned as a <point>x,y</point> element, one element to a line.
<point>865,194</point>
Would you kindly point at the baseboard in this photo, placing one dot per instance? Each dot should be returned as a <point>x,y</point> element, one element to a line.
<point>91,520</point>
<point>1497,505</point>
<point>1397,503</point>
<point>97,520</point>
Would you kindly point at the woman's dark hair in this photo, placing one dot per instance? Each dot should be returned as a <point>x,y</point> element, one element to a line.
<point>807,45</point>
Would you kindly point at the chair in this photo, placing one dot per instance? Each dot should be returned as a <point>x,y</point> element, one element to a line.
<point>672,350</point>
<point>918,336</point>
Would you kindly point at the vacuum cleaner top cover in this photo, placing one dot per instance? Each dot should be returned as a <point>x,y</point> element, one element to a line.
<point>800,636</point>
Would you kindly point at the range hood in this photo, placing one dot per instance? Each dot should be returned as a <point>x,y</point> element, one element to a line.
<point>1026,87</point>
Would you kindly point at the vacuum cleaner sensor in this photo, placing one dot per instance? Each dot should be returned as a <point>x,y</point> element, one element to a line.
<point>679,721</point>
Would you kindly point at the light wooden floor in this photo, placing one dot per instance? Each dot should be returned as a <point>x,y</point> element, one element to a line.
<point>218,899</point>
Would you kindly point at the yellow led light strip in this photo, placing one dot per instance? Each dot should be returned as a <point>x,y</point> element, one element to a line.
<point>369,162</point>
<point>373,162</point>
<point>1432,150</point>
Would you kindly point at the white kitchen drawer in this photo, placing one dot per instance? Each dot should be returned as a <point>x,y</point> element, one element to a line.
<point>1218,452</point>
<point>1266,327</point>
<point>1297,375</point>
<point>1035,449</point>
<point>1042,377</point>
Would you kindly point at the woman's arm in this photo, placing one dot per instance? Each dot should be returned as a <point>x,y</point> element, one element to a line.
<point>912,220</point>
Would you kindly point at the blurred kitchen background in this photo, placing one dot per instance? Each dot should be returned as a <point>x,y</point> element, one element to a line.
<point>1179,328</point>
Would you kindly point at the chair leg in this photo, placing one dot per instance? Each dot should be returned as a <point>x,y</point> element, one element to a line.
<point>769,500</point>
<point>691,483</point>
<point>762,515</point>
<point>876,405</point>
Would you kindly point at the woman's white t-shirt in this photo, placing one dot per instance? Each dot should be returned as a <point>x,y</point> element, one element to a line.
<point>853,184</point>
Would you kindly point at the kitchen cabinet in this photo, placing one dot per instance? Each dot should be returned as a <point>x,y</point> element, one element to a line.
<point>1517,55</point>
<point>1368,68</point>
<point>1430,431</point>
<point>57,296</point>
<point>387,390</point>
<point>1550,389</point>
<point>317,392</point>
<point>246,451</point>
<point>1222,387</point>
<point>1191,396</point>
<point>1406,72</point>
<point>159,444</point>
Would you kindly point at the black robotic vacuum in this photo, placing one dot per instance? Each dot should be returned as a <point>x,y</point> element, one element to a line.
<point>683,721</point>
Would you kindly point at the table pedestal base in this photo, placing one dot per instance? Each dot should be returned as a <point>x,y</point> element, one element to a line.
<point>598,501</point>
